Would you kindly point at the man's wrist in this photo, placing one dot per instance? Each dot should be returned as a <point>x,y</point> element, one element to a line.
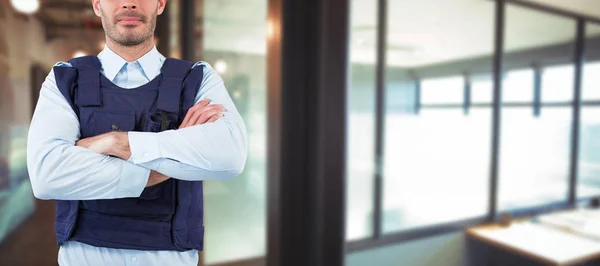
<point>120,147</point>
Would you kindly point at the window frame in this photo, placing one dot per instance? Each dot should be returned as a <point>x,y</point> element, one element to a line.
<point>497,70</point>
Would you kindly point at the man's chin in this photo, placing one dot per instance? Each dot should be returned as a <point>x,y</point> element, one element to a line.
<point>128,36</point>
<point>129,41</point>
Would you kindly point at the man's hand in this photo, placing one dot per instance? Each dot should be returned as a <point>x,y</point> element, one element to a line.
<point>111,143</point>
<point>156,178</point>
<point>117,144</point>
<point>202,113</point>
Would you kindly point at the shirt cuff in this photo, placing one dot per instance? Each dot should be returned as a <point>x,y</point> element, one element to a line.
<point>152,165</point>
<point>132,181</point>
<point>144,147</point>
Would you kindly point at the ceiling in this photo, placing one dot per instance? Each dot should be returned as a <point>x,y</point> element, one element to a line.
<point>73,20</point>
<point>68,18</point>
<point>420,32</point>
<point>584,7</point>
<point>429,32</point>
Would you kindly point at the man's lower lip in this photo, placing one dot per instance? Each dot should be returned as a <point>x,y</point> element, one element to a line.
<point>130,22</point>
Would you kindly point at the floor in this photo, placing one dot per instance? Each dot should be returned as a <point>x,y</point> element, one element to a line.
<point>33,243</point>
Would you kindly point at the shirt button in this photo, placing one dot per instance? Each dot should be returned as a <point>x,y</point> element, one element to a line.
<point>134,259</point>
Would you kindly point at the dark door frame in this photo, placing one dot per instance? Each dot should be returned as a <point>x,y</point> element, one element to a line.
<point>307,79</point>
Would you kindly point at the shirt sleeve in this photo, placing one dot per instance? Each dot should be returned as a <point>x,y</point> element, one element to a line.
<point>209,151</point>
<point>60,170</point>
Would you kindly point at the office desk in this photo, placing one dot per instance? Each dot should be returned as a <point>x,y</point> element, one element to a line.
<point>539,242</point>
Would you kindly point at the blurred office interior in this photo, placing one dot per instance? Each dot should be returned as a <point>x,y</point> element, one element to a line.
<point>453,111</point>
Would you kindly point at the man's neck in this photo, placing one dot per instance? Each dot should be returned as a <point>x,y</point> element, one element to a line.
<point>130,53</point>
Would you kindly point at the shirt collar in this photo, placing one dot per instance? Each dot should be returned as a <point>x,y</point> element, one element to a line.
<point>112,63</point>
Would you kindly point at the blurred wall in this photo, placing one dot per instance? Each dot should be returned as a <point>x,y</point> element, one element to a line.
<point>23,51</point>
<point>235,211</point>
<point>27,46</point>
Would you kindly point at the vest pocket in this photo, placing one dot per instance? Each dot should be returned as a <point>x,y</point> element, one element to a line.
<point>104,121</point>
<point>153,123</point>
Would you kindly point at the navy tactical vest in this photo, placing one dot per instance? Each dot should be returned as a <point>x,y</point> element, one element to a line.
<point>166,216</point>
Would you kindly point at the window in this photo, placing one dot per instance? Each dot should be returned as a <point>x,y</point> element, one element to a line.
<point>557,83</point>
<point>436,157</point>
<point>518,86</point>
<point>448,90</point>
<point>534,157</point>
<point>360,162</point>
<point>588,180</point>
<point>437,164</point>
<point>482,89</point>
<point>437,124</point>
<point>591,80</point>
<point>234,43</point>
<point>535,142</point>
<point>589,153</point>
<point>590,88</point>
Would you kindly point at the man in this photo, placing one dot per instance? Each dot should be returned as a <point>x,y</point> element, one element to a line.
<point>123,141</point>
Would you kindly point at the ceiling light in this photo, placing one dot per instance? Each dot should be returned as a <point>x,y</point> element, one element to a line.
<point>237,94</point>
<point>79,53</point>
<point>221,66</point>
<point>26,6</point>
<point>270,28</point>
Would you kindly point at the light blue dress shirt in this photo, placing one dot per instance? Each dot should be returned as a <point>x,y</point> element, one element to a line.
<point>60,170</point>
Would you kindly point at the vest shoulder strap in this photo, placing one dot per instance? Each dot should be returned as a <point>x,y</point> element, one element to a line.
<point>174,72</point>
<point>192,85</point>
<point>88,80</point>
<point>66,77</point>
